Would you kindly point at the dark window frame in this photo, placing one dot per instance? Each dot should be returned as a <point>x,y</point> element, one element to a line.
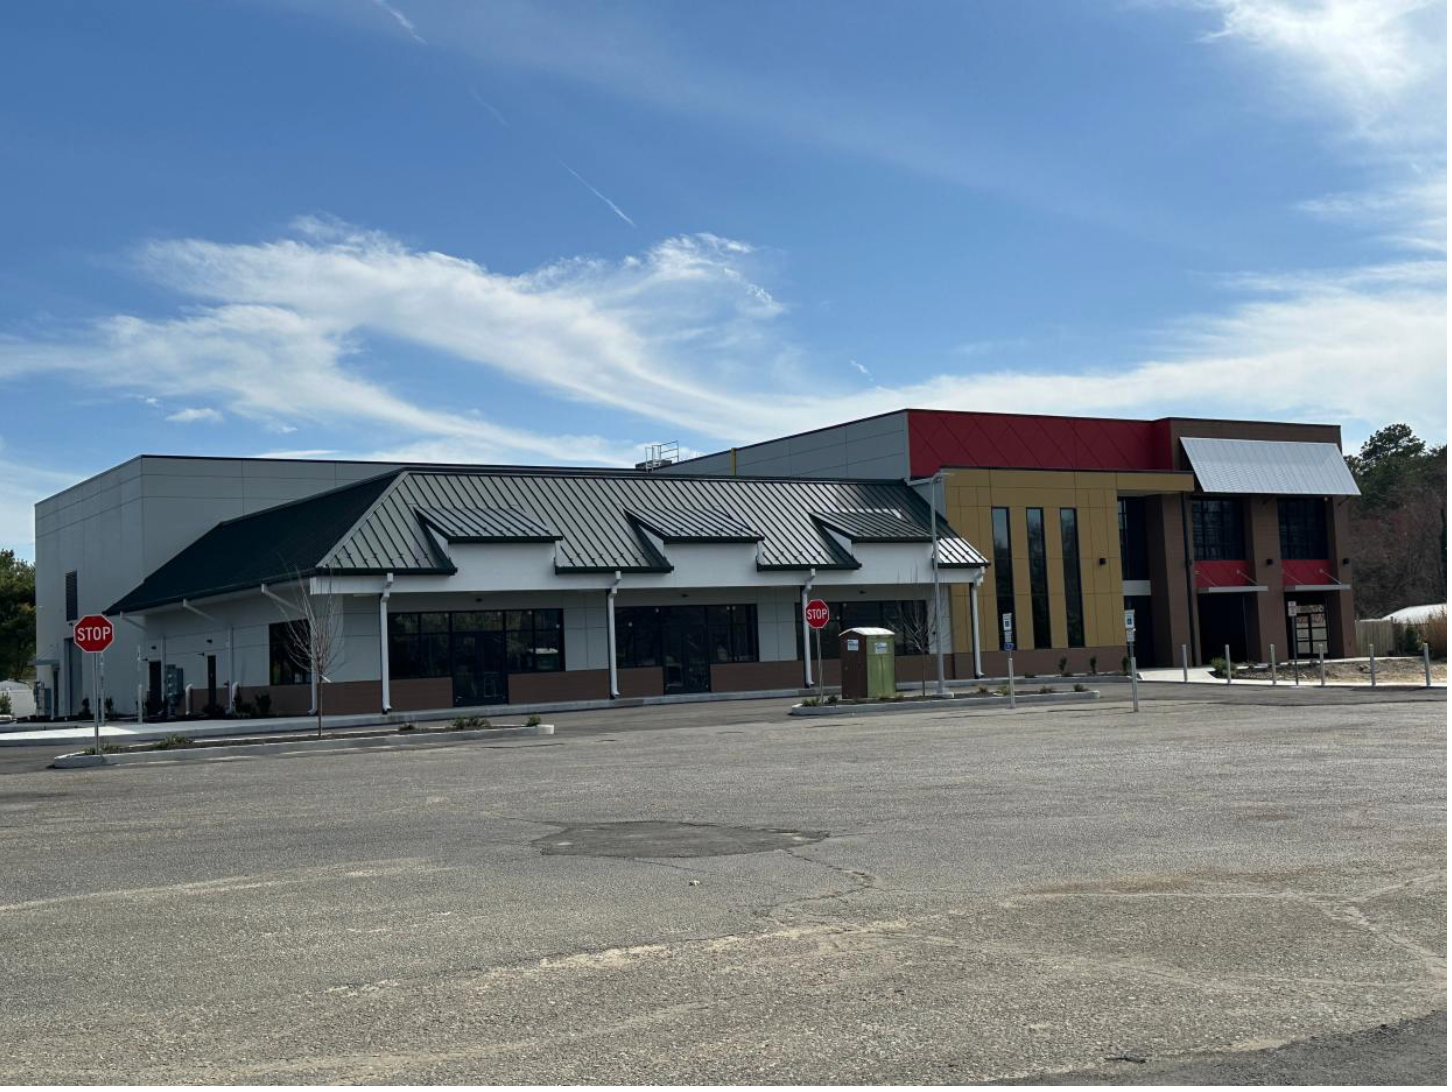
<point>421,644</point>
<point>73,596</point>
<point>1003,571</point>
<point>1218,528</point>
<point>1038,550</point>
<point>731,631</point>
<point>1073,577</point>
<point>1303,528</point>
<point>282,666</point>
<point>882,613</point>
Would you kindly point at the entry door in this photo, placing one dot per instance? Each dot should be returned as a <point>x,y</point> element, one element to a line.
<point>211,682</point>
<point>479,676</point>
<point>153,687</point>
<point>685,651</point>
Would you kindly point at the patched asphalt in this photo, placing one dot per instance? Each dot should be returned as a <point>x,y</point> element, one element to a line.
<point>1257,880</point>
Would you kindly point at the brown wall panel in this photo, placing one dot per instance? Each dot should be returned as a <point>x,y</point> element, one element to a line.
<point>766,675</point>
<point>408,694</point>
<point>640,682</point>
<point>531,688</point>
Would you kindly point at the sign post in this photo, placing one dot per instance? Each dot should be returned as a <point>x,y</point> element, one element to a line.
<point>1008,647</point>
<point>818,614</point>
<point>1295,644</point>
<point>93,634</point>
<point>1133,667</point>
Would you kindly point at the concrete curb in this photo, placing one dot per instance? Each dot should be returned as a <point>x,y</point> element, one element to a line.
<point>975,701</point>
<point>78,760</point>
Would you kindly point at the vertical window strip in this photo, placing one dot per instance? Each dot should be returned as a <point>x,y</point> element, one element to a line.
<point>1038,577</point>
<point>1003,571</point>
<point>1073,587</point>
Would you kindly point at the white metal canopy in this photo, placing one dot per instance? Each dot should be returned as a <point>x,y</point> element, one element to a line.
<point>1276,467</point>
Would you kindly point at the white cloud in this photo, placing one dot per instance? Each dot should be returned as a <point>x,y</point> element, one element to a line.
<point>192,415</point>
<point>609,203</point>
<point>1368,57</point>
<point>402,20</point>
<point>683,334</point>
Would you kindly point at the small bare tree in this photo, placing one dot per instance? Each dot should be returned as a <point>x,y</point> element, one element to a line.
<point>918,631</point>
<point>314,643</point>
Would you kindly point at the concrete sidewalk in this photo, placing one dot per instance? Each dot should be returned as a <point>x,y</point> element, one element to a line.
<point>1309,677</point>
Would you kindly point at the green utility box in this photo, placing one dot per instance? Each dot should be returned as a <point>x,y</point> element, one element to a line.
<point>869,667</point>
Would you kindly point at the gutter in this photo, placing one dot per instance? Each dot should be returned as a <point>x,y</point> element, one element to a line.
<point>610,635</point>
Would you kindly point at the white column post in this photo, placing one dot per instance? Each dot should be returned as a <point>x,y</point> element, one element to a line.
<point>383,670</point>
<point>1427,664</point>
<point>973,622</point>
<point>610,636</point>
<point>1228,672</point>
<point>1273,664</point>
<point>1373,666</point>
<point>1185,663</point>
<point>806,629</point>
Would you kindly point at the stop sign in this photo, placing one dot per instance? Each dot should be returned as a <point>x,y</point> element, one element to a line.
<point>94,633</point>
<point>817,614</point>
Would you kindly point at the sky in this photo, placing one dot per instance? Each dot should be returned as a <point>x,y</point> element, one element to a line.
<point>558,232</point>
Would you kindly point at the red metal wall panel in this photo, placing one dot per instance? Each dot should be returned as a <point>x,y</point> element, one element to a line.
<point>1222,574</point>
<point>938,438</point>
<point>1297,572</point>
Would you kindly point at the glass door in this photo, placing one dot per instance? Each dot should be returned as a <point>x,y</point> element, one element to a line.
<point>685,651</point>
<point>478,669</point>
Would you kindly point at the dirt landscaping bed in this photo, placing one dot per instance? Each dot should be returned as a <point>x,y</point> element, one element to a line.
<point>1389,669</point>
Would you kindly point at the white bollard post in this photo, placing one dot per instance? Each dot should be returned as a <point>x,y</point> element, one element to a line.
<point>1273,665</point>
<point>1373,667</point>
<point>1012,703</point>
<point>140,703</point>
<point>1184,663</point>
<point>1134,683</point>
<point>1228,672</point>
<point>1321,662</point>
<point>1427,663</point>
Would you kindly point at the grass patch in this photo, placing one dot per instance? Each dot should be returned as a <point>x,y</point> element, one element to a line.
<point>461,724</point>
<point>172,742</point>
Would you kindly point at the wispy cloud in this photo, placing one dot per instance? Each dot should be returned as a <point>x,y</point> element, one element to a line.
<point>611,204</point>
<point>193,415</point>
<point>22,484</point>
<point>861,368</point>
<point>684,334</point>
<point>402,20</point>
<point>482,101</point>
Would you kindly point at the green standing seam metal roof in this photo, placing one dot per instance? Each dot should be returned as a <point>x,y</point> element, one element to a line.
<point>272,546</point>
<point>487,525</point>
<point>593,518</point>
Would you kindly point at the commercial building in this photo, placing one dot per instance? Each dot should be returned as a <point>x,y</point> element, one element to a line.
<point>467,586</point>
<point>1207,529</point>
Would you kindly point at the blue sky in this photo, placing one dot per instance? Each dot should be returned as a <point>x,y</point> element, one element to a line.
<point>557,232</point>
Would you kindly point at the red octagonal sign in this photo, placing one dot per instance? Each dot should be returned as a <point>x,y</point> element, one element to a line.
<point>94,633</point>
<point>818,614</point>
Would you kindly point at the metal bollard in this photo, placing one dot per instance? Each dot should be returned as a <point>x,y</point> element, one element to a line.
<point>1427,663</point>
<point>1228,672</point>
<point>1134,683</point>
<point>1185,663</point>
<point>1273,665</point>
<point>1321,662</point>
<point>140,702</point>
<point>1012,704</point>
<point>1373,666</point>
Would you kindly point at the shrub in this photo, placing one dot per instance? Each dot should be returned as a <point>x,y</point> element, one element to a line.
<point>809,701</point>
<point>86,708</point>
<point>1124,665</point>
<point>1093,665</point>
<point>1002,691</point>
<point>171,742</point>
<point>1047,690</point>
<point>1218,667</point>
<point>832,699</point>
<point>983,689</point>
<point>110,707</point>
<point>533,721</point>
<point>246,709</point>
<point>409,727</point>
<point>1434,632</point>
<point>106,749</point>
<point>1080,688</point>
<point>5,707</point>
<point>461,723</point>
<point>264,705</point>
<point>1063,665</point>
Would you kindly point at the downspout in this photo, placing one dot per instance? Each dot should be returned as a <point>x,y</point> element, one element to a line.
<point>383,641</point>
<point>806,629</point>
<point>313,673</point>
<point>231,664</point>
<point>610,635</point>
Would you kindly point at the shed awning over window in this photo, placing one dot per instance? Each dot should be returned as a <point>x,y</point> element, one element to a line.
<point>1281,468</point>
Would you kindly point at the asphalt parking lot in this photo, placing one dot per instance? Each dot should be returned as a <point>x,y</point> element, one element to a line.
<point>1251,883</point>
